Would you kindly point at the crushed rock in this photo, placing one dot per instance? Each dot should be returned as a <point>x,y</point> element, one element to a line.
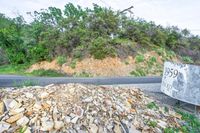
<point>81,108</point>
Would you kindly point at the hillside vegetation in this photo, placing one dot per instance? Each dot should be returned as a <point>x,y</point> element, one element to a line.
<point>74,34</point>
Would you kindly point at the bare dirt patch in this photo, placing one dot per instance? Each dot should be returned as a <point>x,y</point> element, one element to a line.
<point>109,66</point>
<point>106,67</point>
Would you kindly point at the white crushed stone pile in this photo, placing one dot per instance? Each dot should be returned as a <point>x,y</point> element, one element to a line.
<point>81,108</point>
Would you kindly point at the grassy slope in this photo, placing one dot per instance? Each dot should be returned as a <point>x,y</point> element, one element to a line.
<point>21,70</point>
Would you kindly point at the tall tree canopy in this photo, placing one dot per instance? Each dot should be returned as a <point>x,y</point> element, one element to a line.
<point>76,31</point>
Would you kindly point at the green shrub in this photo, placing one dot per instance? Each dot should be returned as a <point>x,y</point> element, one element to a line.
<point>152,105</point>
<point>160,51</point>
<point>100,48</point>
<point>192,122</point>
<point>38,53</point>
<point>151,61</point>
<point>171,130</point>
<point>77,54</point>
<point>47,73</point>
<point>171,54</point>
<point>138,72</point>
<point>73,63</point>
<point>152,123</point>
<point>61,60</point>
<point>14,69</point>
<point>187,59</point>
<point>82,74</point>
<point>139,58</point>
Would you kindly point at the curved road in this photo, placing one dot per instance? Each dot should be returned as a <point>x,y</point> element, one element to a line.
<point>13,80</point>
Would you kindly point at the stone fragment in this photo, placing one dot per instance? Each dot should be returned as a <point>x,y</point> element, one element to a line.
<point>14,118</point>
<point>4,126</point>
<point>87,100</point>
<point>22,121</point>
<point>78,111</point>
<point>11,104</point>
<point>93,128</point>
<point>28,130</point>
<point>133,129</point>
<point>44,95</point>
<point>45,106</point>
<point>117,129</point>
<point>2,107</point>
<point>37,106</point>
<point>162,124</point>
<point>47,125</point>
<point>43,119</point>
<point>14,104</point>
<point>29,95</point>
<point>58,125</point>
<point>16,111</point>
<point>75,119</point>
<point>108,102</point>
<point>158,130</point>
<point>33,120</point>
<point>67,119</point>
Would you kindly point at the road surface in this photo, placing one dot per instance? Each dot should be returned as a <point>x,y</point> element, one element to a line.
<point>13,80</point>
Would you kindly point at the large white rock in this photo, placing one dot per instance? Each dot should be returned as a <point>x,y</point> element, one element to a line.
<point>75,119</point>
<point>11,104</point>
<point>22,121</point>
<point>29,95</point>
<point>67,119</point>
<point>16,111</point>
<point>58,125</point>
<point>4,126</point>
<point>44,95</point>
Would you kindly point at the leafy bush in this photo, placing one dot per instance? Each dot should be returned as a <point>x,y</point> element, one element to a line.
<point>73,63</point>
<point>14,69</point>
<point>61,60</point>
<point>152,123</point>
<point>171,54</point>
<point>38,53</point>
<point>153,59</point>
<point>83,74</point>
<point>139,58</point>
<point>152,105</point>
<point>187,59</point>
<point>138,72</point>
<point>100,48</point>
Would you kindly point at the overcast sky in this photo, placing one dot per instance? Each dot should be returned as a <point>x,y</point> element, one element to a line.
<point>181,13</point>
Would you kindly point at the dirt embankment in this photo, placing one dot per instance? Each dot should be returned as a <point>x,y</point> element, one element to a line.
<point>110,66</point>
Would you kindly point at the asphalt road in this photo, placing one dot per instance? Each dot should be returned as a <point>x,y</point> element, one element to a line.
<point>14,80</point>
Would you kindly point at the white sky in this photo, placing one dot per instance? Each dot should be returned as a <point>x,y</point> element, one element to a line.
<point>181,13</point>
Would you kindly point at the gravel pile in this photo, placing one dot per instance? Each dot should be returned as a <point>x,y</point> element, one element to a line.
<point>82,108</point>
